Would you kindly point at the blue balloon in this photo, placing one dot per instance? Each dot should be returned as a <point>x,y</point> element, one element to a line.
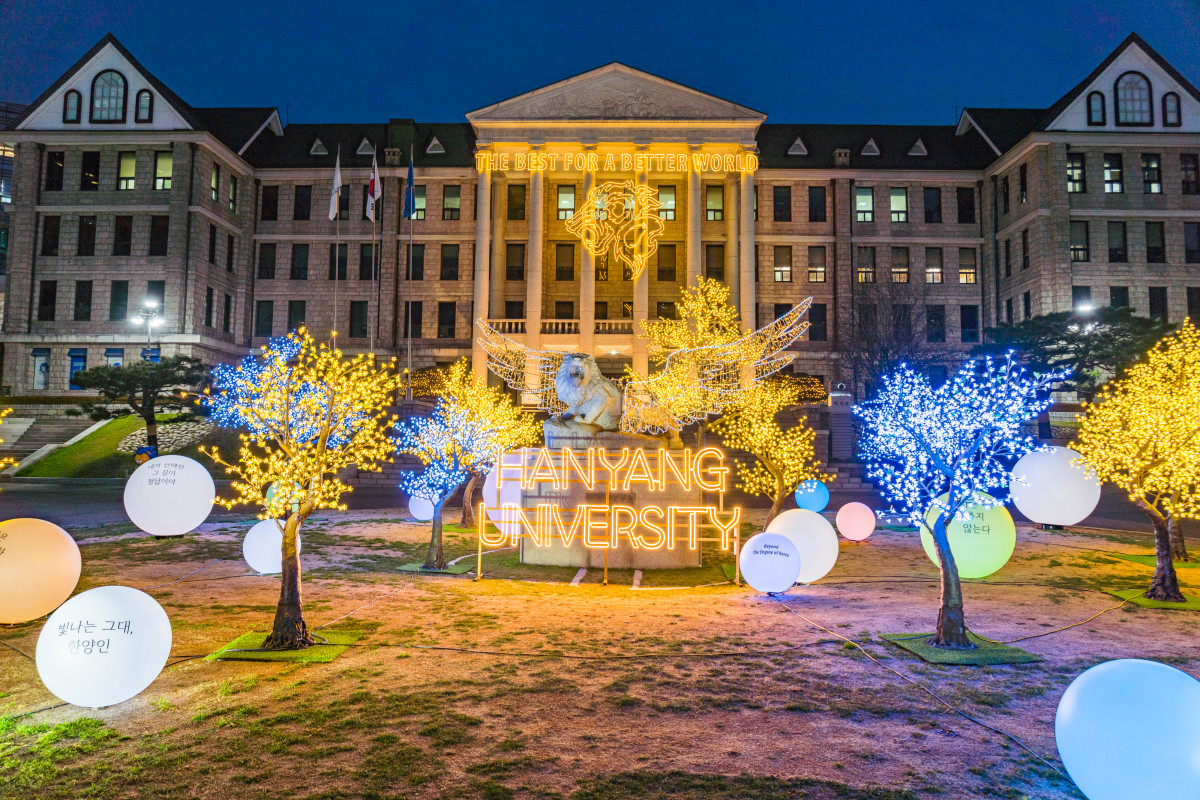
<point>812,495</point>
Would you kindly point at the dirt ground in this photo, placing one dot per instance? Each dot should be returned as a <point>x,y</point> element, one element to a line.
<point>535,688</point>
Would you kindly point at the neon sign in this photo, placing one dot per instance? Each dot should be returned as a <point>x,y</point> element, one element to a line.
<point>595,161</point>
<point>622,217</point>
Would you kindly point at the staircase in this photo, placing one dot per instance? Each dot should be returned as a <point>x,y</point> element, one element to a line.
<point>43,431</point>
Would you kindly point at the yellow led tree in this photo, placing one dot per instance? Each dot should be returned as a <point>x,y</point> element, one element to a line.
<point>6,462</point>
<point>1142,433</point>
<point>783,458</point>
<point>310,412</point>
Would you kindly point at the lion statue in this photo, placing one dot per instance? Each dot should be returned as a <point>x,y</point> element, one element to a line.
<point>593,401</point>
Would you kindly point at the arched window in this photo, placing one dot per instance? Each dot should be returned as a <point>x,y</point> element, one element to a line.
<point>1171,110</point>
<point>1095,108</point>
<point>108,97</point>
<point>71,102</point>
<point>1134,106</point>
<point>145,106</point>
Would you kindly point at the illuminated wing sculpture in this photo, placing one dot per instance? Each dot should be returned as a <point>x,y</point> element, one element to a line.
<point>523,368</point>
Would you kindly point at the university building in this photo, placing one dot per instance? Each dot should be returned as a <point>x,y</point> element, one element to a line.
<point>565,215</point>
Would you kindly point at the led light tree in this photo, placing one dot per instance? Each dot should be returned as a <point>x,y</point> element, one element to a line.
<point>782,458</point>
<point>1142,433</point>
<point>309,412</point>
<point>947,449</point>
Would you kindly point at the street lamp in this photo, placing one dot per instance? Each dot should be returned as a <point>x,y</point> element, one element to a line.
<point>150,316</point>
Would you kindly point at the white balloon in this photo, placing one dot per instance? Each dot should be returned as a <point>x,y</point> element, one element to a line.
<point>39,568</point>
<point>1131,728</point>
<point>815,539</point>
<point>1048,488</point>
<point>263,547</point>
<point>420,508</point>
<point>169,495</point>
<point>769,562</point>
<point>103,646</point>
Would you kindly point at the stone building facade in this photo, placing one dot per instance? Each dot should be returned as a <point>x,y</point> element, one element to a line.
<point>124,192</point>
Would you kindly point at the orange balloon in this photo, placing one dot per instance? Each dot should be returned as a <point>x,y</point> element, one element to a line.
<point>39,568</point>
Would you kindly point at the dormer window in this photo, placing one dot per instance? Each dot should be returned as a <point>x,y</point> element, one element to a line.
<point>1171,117</point>
<point>1095,108</point>
<point>1133,100</point>
<point>145,106</point>
<point>435,148</point>
<point>109,92</point>
<point>71,104</point>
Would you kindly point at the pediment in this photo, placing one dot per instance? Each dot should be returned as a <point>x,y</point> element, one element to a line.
<point>615,92</point>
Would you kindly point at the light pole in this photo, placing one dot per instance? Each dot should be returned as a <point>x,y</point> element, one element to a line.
<point>150,316</point>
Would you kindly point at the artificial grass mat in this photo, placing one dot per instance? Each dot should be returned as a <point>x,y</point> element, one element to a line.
<point>320,653</point>
<point>1150,561</point>
<point>985,653</point>
<point>451,569</point>
<point>1135,596</point>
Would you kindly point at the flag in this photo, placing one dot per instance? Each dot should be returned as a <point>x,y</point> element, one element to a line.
<point>337,186</point>
<point>374,190</point>
<point>409,194</point>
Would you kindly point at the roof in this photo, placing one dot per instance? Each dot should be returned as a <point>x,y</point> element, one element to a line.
<point>233,126</point>
<point>945,149</point>
<point>457,137</point>
<point>1006,126</point>
<point>293,149</point>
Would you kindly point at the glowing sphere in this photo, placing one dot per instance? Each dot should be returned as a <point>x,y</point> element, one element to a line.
<point>769,562</point>
<point>169,495</point>
<point>39,568</point>
<point>263,547</point>
<point>495,497</point>
<point>815,539</point>
<point>981,546</point>
<point>855,521</point>
<point>420,508</point>
<point>1049,489</point>
<point>1131,728</point>
<point>812,495</point>
<point>103,646</point>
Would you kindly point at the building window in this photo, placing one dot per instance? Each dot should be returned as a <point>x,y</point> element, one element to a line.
<point>1004,195</point>
<point>445,320</point>
<point>817,328</point>
<point>118,301</point>
<point>163,167</point>
<point>1081,299</point>
<point>122,236</point>
<point>144,111</point>
<point>1118,250</point>
<point>338,257</point>
<point>108,97</point>
<point>968,324</point>
<point>1079,241</point>
<point>1170,110</point>
<point>1158,302</point>
<point>816,204</point>
<point>302,205</point>
<point>71,105</point>
<point>1191,242</point>
<point>1156,243</point>
<point>156,292</point>
<point>126,171</point>
<point>864,204</point>
<point>227,314</point>
<point>47,300</point>
<point>965,196</point>
<point>665,310</point>
<point>514,309</point>
<point>781,309</point>
<point>966,265</point>
<point>899,204</point>
<point>933,204</point>
<point>299,266</point>
<point>564,309</point>
<point>89,171</point>
<point>1025,249</point>
<point>269,205</point>
<point>358,319</point>
<point>564,262</point>
<point>566,200</point>
<point>1008,258</point>
<point>214,183</point>
<point>1151,174</point>
<point>816,264</point>
<point>78,359</point>
<point>412,319</point>
<point>296,311</point>
<point>1118,296</point>
<point>1027,304</point>
<point>231,249</point>
<point>233,193</point>
<point>1023,183</point>
<point>935,324</point>
<point>900,265</point>
<point>714,202</point>
<point>451,202</point>
<point>160,228</point>
<point>714,262</point>
<point>626,309</point>
<point>1189,173</point>
<point>55,167</point>
<point>781,203</point>
<point>266,261</point>
<point>264,311</point>
<point>449,263</point>
<point>933,265</point>
<point>601,310</point>
<point>83,301</point>
<point>344,203</point>
<point>1133,100</point>
<point>516,202</point>
<point>514,262</point>
<point>418,209</point>
<point>1114,182</point>
<point>51,227</point>
<point>865,272</point>
<point>666,202</point>
<point>1008,311</point>
<point>368,269</point>
<point>783,263</point>
<point>1076,173</point>
<point>416,262</point>
<point>1095,109</point>
<point>85,244</point>
<point>666,263</point>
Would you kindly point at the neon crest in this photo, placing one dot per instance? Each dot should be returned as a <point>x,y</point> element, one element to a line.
<point>620,217</point>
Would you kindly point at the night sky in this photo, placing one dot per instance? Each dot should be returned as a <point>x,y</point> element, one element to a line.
<point>883,62</point>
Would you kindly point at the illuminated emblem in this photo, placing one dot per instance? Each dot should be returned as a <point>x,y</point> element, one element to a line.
<point>620,217</point>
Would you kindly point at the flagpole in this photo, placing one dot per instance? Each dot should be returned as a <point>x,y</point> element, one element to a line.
<point>412,212</point>
<point>337,247</point>
<point>374,261</point>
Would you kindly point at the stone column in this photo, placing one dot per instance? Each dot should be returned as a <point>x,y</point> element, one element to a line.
<point>695,213</point>
<point>533,266</point>
<point>499,215</point>
<point>641,306</point>
<point>587,282</point>
<point>732,256</point>
<point>483,251</point>
<point>746,253</point>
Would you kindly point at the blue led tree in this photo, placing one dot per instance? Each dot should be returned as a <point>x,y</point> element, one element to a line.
<point>948,449</point>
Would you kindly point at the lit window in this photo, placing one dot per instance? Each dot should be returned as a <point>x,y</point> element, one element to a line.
<point>1079,240</point>
<point>452,202</point>
<point>418,202</point>
<point>108,97</point>
<point>933,265</point>
<point>145,107</point>
<point>899,265</point>
<point>1114,181</point>
<point>1133,100</point>
<point>899,204</point>
<point>566,200</point>
<point>666,201</point>
<point>233,191</point>
<point>126,168</point>
<point>1151,174</point>
<point>714,202</point>
<point>163,164</point>
<point>966,265</point>
<point>864,204</point>
<point>866,265</point>
<point>816,264</point>
<point>783,264</point>
<point>1189,173</point>
<point>1076,173</point>
<point>214,186</point>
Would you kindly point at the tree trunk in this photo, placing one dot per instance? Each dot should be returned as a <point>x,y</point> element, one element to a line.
<point>151,423</point>
<point>1165,585</point>
<point>436,559</point>
<point>1178,543</point>
<point>289,631</point>
<point>777,506</point>
<point>468,509</point>
<point>951,625</point>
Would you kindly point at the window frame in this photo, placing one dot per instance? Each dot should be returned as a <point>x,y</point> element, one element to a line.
<point>1189,162</point>
<point>864,214</point>
<point>1149,123</point>
<point>85,247</point>
<point>899,275</point>
<point>821,214</point>
<point>560,191</point>
<point>163,183</point>
<point>781,192</point>
<point>1166,113</point>
<point>66,117</point>
<point>1102,108</point>
<point>1117,254</point>
<point>452,212</point>
<point>935,275</point>
<point>968,276</point>
<point>159,240</point>
<point>782,268</point>
<point>1156,254</point>
<point>269,190</point>
<point>898,214</point>
<point>933,212</point>
<point>92,119</point>
<point>667,212</point>
<point>561,268</point>
<point>1076,173</point>
<point>817,274</point>
<point>296,204</point>
<point>711,212</point>
<point>1079,253</point>
<point>961,192</point>
<point>122,158</point>
<point>1151,173</point>
<point>864,263</point>
<point>1110,170</point>
<point>517,274</point>
<point>444,261</point>
<point>137,106</point>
